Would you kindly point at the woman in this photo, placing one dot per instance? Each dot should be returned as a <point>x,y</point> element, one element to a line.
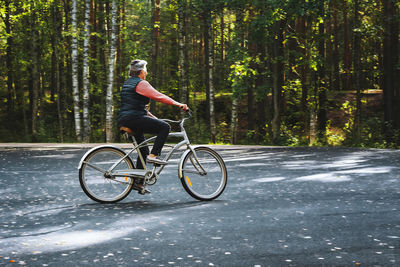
<point>135,96</point>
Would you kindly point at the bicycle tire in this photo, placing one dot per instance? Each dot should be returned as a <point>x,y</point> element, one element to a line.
<point>95,184</point>
<point>207,186</point>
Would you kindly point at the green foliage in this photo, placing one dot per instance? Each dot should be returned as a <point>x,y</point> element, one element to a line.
<point>241,75</point>
<point>245,35</point>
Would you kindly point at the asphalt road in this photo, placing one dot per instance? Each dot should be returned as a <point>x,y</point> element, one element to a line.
<point>282,207</point>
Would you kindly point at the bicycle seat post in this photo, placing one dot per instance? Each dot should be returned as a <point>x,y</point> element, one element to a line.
<point>128,134</point>
<point>135,144</point>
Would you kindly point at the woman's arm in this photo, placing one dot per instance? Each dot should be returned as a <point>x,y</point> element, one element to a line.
<point>144,88</point>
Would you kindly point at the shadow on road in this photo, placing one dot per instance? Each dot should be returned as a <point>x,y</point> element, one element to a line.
<point>145,206</point>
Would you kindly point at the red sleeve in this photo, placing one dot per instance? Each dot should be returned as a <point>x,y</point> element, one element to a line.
<point>144,88</point>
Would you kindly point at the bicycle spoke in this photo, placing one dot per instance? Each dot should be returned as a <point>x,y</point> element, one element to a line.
<point>94,167</point>
<point>190,171</point>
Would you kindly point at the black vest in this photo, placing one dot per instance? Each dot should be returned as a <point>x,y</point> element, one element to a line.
<point>132,103</point>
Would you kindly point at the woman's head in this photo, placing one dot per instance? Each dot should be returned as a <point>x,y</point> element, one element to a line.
<point>137,66</point>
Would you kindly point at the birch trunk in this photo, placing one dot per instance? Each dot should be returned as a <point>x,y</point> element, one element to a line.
<point>313,126</point>
<point>208,43</point>
<point>234,119</point>
<point>110,79</point>
<point>236,95</point>
<point>74,61</point>
<point>182,61</point>
<point>86,119</point>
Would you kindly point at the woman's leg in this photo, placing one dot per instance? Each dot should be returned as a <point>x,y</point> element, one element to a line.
<point>154,126</point>
<point>149,125</point>
<point>143,150</point>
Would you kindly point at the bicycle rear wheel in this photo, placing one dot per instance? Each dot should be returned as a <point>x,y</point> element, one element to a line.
<point>205,176</point>
<point>100,185</point>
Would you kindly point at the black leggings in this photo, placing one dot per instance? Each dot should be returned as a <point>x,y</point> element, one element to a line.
<point>147,124</point>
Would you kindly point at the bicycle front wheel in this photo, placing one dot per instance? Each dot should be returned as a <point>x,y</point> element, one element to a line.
<point>95,180</point>
<point>204,174</point>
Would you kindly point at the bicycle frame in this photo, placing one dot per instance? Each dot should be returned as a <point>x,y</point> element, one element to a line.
<point>185,141</point>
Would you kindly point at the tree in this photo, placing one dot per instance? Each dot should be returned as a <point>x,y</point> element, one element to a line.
<point>86,118</point>
<point>347,85</point>
<point>390,61</point>
<point>238,72</point>
<point>209,64</point>
<point>110,79</point>
<point>357,70</point>
<point>34,72</point>
<point>9,65</point>
<point>322,85</point>
<point>56,84</point>
<point>74,62</point>
<point>278,79</point>
<point>183,56</point>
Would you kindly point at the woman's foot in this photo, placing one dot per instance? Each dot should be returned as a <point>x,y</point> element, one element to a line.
<point>141,189</point>
<point>155,160</point>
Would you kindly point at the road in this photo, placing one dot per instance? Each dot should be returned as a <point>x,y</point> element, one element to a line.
<point>282,207</point>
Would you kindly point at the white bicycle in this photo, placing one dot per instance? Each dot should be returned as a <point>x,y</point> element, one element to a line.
<point>107,174</point>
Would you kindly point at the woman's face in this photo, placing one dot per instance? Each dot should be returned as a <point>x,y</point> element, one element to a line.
<point>143,74</point>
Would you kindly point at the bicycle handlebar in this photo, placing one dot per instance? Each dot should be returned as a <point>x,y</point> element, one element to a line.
<point>172,121</point>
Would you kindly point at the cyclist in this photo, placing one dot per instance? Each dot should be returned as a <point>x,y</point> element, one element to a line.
<point>134,114</point>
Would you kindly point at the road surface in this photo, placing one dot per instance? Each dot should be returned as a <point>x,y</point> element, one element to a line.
<point>282,207</point>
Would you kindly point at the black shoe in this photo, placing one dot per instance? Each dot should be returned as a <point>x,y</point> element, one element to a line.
<point>156,160</point>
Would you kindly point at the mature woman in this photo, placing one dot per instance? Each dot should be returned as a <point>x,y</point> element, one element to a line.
<point>135,96</point>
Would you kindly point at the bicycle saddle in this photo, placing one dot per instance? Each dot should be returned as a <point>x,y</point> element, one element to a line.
<point>126,129</point>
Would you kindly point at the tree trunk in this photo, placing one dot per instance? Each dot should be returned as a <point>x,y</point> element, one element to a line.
<point>86,118</point>
<point>236,96</point>
<point>234,119</point>
<point>56,83</point>
<point>110,80</point>
<point>347,64</point>
<point>278,80</point>
<point>35,73</point>
<point>301,30</point>
<point>9,65</point>
<point>209,63</point>
<point>322,86</point>
<point>390,61</point>
<point>183,60</point>
<point>155,53</point>
<point>313,126</point>
<point>250,88</point>
<point>336,75</point>
<point>222,29</point>
<point>357,70</point>
<point>74,59</point>
<point>65,71</point>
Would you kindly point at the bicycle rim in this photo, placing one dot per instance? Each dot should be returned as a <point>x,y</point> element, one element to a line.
<point>96,185</point>
<point>204,186</point>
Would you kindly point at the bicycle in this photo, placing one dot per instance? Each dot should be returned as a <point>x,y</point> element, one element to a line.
<point>107,173</point>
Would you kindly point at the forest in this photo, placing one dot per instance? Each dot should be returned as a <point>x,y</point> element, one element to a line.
<point>266,72</point>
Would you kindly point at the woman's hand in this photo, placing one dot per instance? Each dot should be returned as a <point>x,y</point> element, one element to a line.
<point>184,107</point>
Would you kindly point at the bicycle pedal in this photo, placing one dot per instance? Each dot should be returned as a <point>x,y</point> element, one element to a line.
<point>144,191</point>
